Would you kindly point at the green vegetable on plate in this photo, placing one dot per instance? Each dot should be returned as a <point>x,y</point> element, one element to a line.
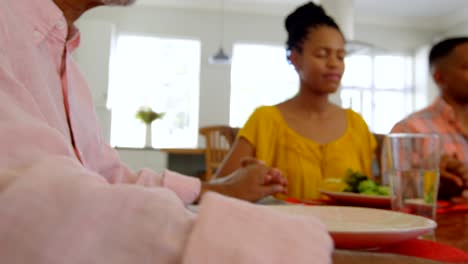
<point>357,182</point>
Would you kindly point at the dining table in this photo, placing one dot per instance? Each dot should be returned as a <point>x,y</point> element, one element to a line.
<point>451,230</point>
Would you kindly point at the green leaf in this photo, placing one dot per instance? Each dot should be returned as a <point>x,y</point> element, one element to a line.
<point>147,115</point>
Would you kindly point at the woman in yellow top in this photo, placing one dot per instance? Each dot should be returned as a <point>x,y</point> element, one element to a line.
<point>311,140</point>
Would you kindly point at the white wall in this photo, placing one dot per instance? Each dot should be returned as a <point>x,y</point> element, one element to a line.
<point>98,26</point>
<point>457,30</point>
<point>94,57</point>
<point>138,159</point>
<point>426,89</point>
<point>391,38</point>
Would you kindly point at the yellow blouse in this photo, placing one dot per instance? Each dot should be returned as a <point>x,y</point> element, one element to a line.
<point>309,166</point>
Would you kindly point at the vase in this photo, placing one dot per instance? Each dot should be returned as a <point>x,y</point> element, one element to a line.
<point>148,140</point>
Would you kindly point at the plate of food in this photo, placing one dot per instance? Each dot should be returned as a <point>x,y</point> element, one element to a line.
<point>364,228</point>
<point>359,190</point>
<point>357,199</point>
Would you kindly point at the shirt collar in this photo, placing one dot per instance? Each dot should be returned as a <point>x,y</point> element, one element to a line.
<point>45,18</point>
<point>74,40</point>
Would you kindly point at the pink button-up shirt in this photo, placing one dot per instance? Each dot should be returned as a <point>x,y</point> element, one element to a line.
<point>65,197</point>
<point>438,118</point>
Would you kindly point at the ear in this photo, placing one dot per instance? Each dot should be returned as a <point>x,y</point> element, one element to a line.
<point>438,77</point>
<point>295,58</point>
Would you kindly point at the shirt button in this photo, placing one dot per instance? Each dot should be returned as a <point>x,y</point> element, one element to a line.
<point>61,24</point>
<point>37,34</point>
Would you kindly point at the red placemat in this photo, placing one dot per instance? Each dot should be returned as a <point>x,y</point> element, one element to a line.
<point>444,207</point>
<point>427,249</point>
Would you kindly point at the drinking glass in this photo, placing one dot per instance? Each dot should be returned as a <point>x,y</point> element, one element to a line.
<point>410,162</point>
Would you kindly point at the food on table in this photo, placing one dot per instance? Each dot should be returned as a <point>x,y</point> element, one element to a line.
<point>360,183</point>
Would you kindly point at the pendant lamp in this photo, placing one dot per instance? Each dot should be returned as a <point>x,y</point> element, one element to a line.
<point>220,57</point>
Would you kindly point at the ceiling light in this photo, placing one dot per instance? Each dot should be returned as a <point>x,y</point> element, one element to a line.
<point>220,57</point>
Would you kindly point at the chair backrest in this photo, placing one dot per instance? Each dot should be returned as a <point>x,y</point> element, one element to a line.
<point>218,140</point>
<point>379,138</point>
<point>377,166</point>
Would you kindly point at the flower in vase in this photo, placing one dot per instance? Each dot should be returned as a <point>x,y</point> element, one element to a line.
<point>147,115</point>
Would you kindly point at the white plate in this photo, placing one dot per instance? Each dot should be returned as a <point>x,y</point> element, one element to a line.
<point>364,228</point>
<point>417,203</point>
<point>350,198</point>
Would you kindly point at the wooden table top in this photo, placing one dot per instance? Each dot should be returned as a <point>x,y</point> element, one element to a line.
<point>452,229</point>
<point>184,151</point>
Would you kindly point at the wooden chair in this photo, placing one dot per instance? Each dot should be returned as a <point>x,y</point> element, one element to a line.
<point>218,140</point>
<point>379,138</point>
<point>378,157</point>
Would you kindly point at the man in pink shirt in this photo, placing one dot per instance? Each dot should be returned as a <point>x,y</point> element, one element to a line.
<point>448,115</point>
<point>65,197</point>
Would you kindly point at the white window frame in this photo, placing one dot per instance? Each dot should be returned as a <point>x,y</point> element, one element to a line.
<point>263,75</point>
<point>408,92</point>
<point>164,134</point>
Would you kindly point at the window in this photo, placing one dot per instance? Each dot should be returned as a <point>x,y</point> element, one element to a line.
<point>380,88</point>
<point>260,75</point>
<point>162,74</point>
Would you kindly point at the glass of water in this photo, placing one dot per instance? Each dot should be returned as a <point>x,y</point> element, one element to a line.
<point>410,162</point>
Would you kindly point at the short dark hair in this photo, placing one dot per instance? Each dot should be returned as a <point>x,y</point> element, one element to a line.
<point>302,20</point>
<point>443,48</point>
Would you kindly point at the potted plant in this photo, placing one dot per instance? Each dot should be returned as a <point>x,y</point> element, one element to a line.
<point>147,116</point>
